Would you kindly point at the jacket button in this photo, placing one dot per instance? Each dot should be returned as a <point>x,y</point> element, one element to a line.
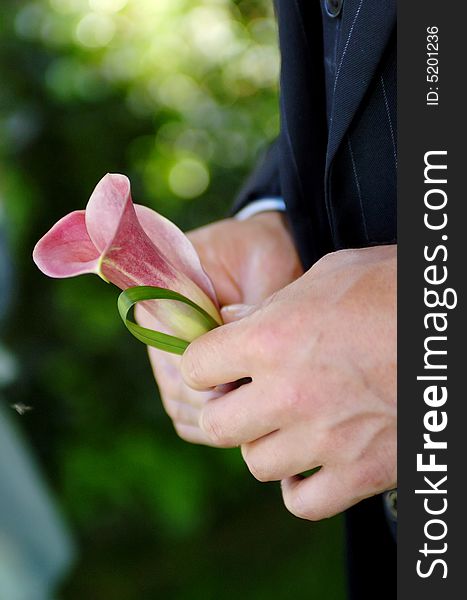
<point>333,7</point>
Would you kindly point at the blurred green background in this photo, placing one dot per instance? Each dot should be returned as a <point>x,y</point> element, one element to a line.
<point>181,95</point>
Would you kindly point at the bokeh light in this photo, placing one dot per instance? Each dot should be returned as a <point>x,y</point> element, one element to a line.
<point>195,64</point>
<point>188,178</point>
<point>95,30</point>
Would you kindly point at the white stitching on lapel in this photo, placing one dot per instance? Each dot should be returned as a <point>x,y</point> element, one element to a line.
<point>386,103</point>
<point>344,52</point>
<point>354,168</point>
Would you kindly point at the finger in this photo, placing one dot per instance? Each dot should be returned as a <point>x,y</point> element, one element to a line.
<point>328,492</point>
<point>166,369</point>
<point>165,366</point>
<point>171,385</point>
<point>217,357</point>
<point>192,434</point>
<point>181,412</point>
<point>280,455</point>
<point>235,312</point>
<point>240,416</point>
<point>206,242</point>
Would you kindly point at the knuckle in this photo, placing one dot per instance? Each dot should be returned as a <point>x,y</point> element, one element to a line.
<point>170,408</point>
<point>373,477</point>
<point>265,339</point>
<point>259,470</point>
<point>191,367</point>
<point>296,505</point>
<point>325,446</point>
<point>184,433</point>
<point>258,467</point>
<point>298,404</point>
<point>368,478</point>
<point>293,400</point>
<point>213,428</point>
<point>270,299</point>
<point>168,388</point>
<point>175,410</point>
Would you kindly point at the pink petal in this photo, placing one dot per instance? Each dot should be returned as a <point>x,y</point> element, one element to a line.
<point>128,256</point>
<point>109,239</point>
<point>105,209</point>
<point>174,244</point>
<point>67,250</point>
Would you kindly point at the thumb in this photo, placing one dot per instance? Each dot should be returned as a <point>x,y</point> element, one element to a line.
<point>235,312</point>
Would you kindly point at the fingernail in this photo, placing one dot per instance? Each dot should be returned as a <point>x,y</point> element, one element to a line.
<point>234,312</point>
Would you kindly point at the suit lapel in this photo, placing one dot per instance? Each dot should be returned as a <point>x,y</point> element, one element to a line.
<point>365,31</point>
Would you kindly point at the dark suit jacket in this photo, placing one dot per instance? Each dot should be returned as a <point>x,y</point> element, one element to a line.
<point>338,178</point>
<point>336,170</point>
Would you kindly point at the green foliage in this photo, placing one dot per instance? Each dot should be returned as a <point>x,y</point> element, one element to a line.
<point>181,95</point>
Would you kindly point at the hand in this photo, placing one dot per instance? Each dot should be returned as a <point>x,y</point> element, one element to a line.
<point>247,261</point>
<point>322,357</point>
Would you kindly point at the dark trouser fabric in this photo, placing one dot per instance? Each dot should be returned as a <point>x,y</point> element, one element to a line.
<point>371,552</point>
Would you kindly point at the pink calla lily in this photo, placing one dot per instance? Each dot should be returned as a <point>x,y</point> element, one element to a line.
<point>130,245</point>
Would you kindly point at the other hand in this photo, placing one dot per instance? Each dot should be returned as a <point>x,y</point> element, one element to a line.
<point>321,354</point>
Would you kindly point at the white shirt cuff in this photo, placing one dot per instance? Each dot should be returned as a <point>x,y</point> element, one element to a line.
<point>259,206</point>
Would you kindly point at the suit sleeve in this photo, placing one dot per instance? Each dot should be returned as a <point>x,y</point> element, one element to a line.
<point>263,182</point>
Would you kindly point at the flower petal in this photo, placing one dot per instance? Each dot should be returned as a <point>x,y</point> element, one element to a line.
<point>67,250</point>
<point>128,256</point>
<point>132,260</point>
<point>105,208</point>
<point>174,244</point>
